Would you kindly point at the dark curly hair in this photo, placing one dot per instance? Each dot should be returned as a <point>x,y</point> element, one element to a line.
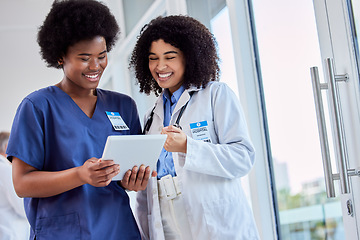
<point>71,21</point>
<point>185,33</point>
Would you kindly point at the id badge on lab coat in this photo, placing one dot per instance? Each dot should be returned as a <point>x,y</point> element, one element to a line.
<point>200,131</point>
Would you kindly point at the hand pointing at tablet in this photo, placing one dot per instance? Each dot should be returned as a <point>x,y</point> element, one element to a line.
<point>176,139</point>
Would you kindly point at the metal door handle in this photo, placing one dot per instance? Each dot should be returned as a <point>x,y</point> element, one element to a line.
<point>329,183</point>
<point>343,174</point>
<point>338,126</point>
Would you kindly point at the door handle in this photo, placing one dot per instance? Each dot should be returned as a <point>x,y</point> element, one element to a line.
<point>339,137</point>
<point>317,86</point>
<point>338,125</point>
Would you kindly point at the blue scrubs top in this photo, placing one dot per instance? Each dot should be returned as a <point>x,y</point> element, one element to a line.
<point>51,133</point>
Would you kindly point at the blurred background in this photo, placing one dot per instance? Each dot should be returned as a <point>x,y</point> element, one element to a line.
<point>267,49</point>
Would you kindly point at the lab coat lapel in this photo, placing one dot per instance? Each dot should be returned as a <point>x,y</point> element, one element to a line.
<point>184,98</point>
<point>159,109</point>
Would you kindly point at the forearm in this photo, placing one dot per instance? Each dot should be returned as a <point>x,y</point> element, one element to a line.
<point>38,184</point>
<point>31,182</point>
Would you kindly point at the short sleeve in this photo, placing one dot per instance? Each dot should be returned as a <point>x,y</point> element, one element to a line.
<point>27,135</point>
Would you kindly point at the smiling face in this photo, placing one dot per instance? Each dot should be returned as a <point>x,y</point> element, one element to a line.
<point>84,64</point>
<point>167,65</point>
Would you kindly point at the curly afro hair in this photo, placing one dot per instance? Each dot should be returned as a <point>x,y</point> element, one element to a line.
<point>187,34</point>
<point>71,21</point>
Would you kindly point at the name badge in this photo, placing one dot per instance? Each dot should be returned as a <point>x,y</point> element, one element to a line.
<point>117,122</point>
<point>200,131</point>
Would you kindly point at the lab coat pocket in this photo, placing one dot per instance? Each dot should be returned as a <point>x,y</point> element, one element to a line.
<point>230,218</point>
<point>222,218</point>
<point>58,228</point>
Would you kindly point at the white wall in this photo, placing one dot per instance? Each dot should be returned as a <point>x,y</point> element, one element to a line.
<point>22,69</point>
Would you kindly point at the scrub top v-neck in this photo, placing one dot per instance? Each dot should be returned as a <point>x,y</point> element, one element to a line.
<point>51,133</point>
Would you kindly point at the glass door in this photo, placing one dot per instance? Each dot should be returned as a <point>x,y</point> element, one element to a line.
<point>340,53</point>
<point>293,36</point>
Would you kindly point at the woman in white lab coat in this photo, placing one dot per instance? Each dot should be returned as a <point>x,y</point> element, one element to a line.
<point>198,193</point>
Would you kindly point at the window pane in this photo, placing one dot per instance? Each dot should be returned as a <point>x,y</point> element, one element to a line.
<point>133,11</point>
<point>220,27</point>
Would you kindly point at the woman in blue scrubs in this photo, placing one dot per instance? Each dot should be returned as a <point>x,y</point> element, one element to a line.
<point>59,133</point>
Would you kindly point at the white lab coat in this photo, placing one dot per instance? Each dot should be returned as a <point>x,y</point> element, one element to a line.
<point>209,173</point>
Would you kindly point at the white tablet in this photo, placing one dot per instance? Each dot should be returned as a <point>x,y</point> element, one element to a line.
<point>131,150</point>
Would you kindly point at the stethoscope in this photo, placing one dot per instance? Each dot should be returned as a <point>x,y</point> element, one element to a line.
<point>150,118</point>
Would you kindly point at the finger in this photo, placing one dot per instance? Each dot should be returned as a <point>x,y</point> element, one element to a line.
<point>171,136</point>
<point>133,175</point>
<point>142,178</point>
<point>172,128</point>
<point>100,164</point>
<point>164,130</point>
<point>105,163</point>
<point>104,175</point>
<point>166,146</point>
<point>146,178</point>
<point>113,173</point>
<point>147,173</point>
<point>108,170</point>
<point>140,175</point>
<point>106,180</point>
<point>101,181</point>
<point>126,179</point>
<point>153,174</point>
